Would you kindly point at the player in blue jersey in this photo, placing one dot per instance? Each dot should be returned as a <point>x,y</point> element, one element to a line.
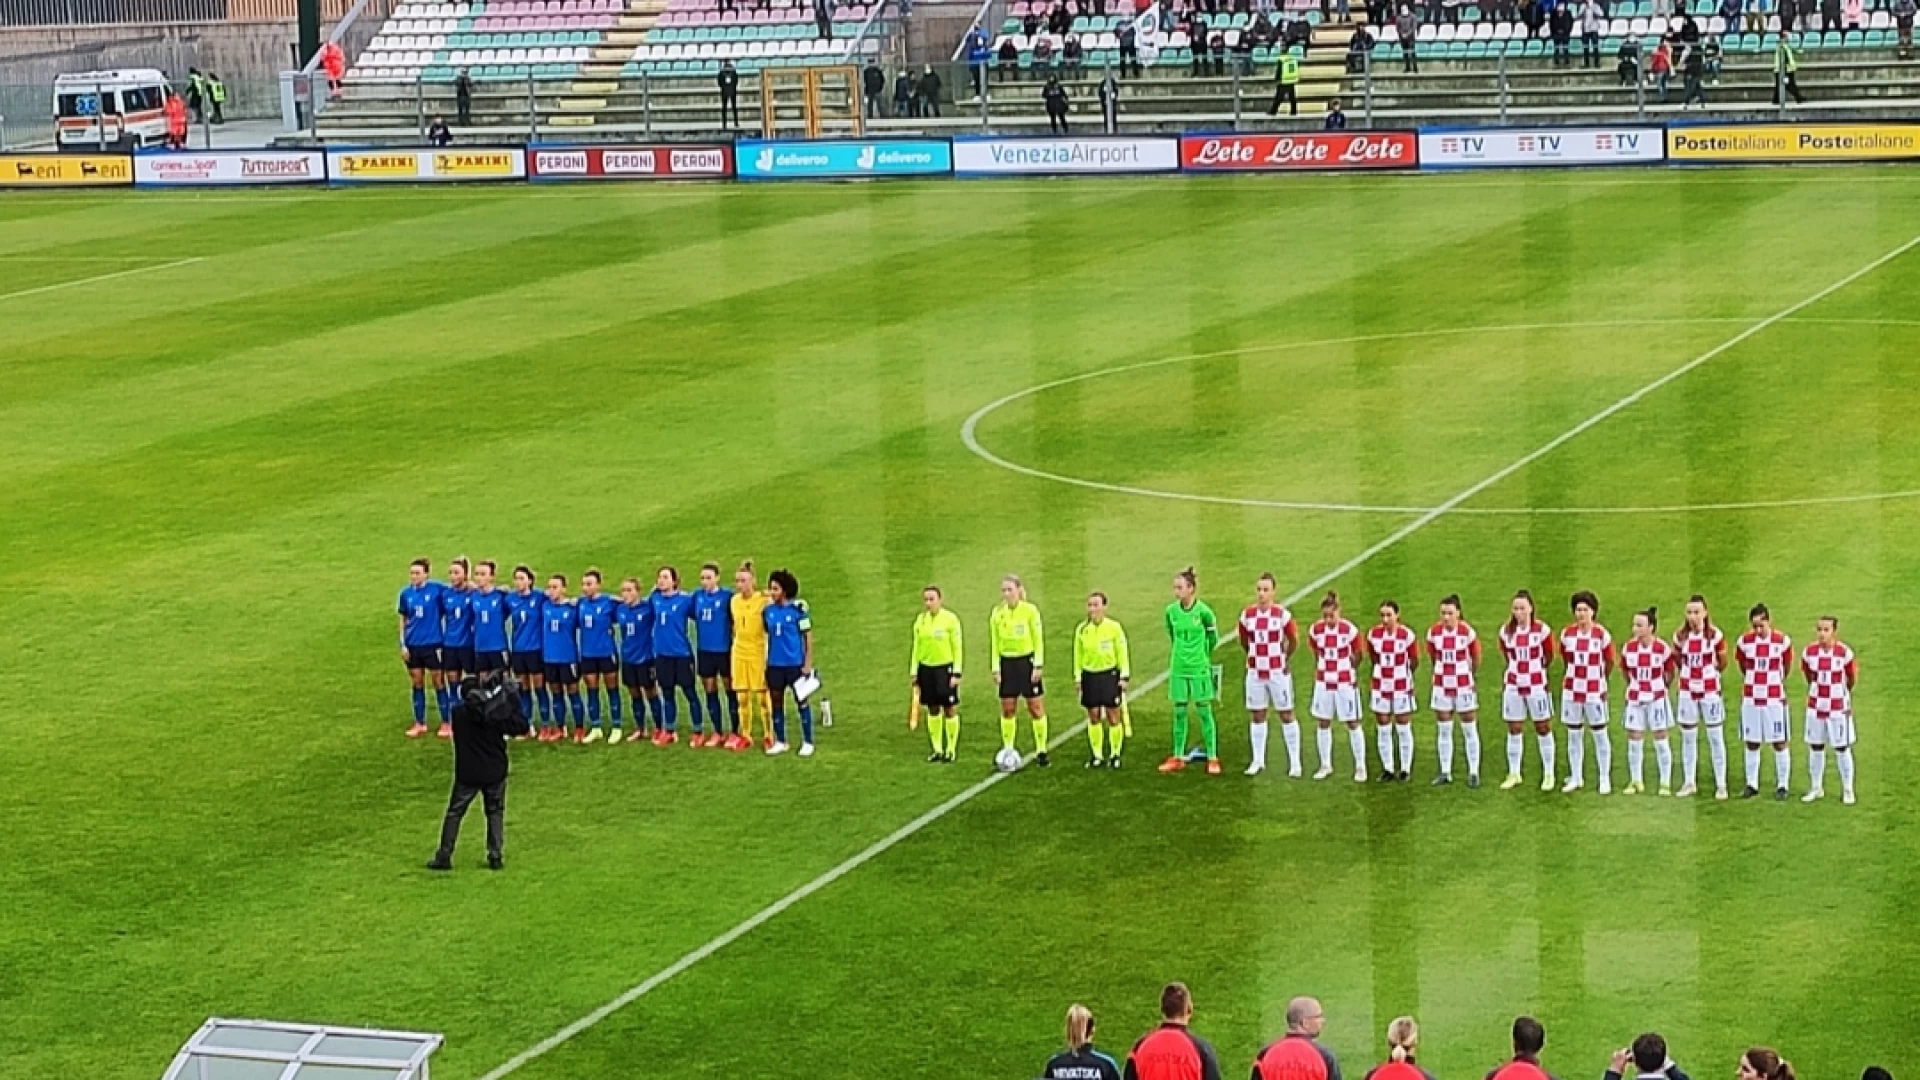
<point>489,621</point>
<point>598,665</point>
<point>713,636</point>
<point>560,659</point>
<point>456,629</point>
<point>635,618</point>
<point>420,643</point>
<point>523,607</point>
<point>789,656</point>
<point>673,653</point>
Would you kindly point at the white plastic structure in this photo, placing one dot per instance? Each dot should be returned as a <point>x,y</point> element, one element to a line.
<point>273,1050</point>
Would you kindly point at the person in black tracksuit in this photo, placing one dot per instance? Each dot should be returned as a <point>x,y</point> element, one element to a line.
<point>729,80</point>
<point>488,715</point>
<point>1055,96</point>
<point>1080,1061</point>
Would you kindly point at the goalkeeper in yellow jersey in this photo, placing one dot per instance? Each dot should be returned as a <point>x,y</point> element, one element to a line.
<point>1019,651</point>
<point>937,659</point>
<point>1101,668</point>
<point>749,682</point>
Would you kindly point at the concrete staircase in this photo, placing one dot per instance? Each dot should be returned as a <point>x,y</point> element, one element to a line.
<point>600,75</point>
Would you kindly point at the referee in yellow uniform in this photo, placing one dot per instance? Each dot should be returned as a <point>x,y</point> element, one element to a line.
<point>937,658</point>
<point>1101,670</point>
<point>1019,652</point>
<point>749,655</point>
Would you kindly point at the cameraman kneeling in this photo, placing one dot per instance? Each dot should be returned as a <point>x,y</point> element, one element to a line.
<point>487,716</point>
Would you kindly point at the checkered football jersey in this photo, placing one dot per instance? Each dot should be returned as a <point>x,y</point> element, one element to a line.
<point>1528,652</point>
<point>1587,654</point>
<point>1264,634</point>
<point>1700,657</point>
<point>1829,670</point>
<point>1334,661</point>
<point>1455,653</point>
<point>1764,661</point>
<point>1646,665</point>
<point>1393,653</point>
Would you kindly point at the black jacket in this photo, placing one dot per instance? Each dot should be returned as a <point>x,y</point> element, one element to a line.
<point>482,723</point>
<point>729,80</point>
<point>873,80</point>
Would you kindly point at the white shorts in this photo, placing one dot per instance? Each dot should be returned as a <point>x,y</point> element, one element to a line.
<point>1460,701</point>
<point>1651,716</point>
<point>1709,710</point>
<point>1763,723</point>
<point>1583,713</point>
<point>1830,729</point>
<point>1341,704</point>
<point>1270,692</point>
<point>1392,704</point>
<point>1518,705</point>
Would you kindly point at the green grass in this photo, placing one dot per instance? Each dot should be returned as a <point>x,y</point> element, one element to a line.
<point>214,475</point>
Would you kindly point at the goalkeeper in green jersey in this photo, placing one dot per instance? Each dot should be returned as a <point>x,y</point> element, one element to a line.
<point>1193,633</point>
<point>1101,668</point>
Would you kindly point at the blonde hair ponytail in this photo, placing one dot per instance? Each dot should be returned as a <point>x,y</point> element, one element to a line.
<point>1403,1038</point>
<point>1079,1027</point>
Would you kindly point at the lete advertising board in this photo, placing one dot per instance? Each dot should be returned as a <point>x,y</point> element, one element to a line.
<point>841,159</point>
<point>374,166</point>
<point>206,167</point>
<point>999,157</point>
<point>1793,142</point>
<point>65,170</point>
<point>1471,148</point>
<point>677,161</point>
<point>1304,150</point>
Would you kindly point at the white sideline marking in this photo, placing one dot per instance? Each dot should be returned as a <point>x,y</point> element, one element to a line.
<point>77,282</point>
<point>886,843</point>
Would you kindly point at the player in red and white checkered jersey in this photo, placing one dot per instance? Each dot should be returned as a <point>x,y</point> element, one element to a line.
<point>1268,634</point>
<point>1831,670</point>
<point>1700,649</point>
<point>1336,654</point>
<point>1395,652</point>
<point>1648,665</point>
<point>1455,651</point>
<point>1587,649</point>
<point>1527,645</point>
<point>1765,656</point>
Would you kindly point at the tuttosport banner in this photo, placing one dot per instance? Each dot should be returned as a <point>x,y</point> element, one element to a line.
<point>1793,142</point>
<point>368,165</point>
<point>670,161</point>
<point>841,158</point>
<point>1303,150</point>
<point>229,167</point>
<point>1470,148</point>
<point>1036,156</point>
<point>65,170</point>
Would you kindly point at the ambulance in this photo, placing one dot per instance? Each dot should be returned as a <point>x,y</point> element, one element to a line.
<point>131,104</point>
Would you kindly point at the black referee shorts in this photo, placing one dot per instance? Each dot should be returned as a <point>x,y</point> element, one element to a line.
<point>1016,678</point>
<point>1100,689</point>
<point>936,686</point>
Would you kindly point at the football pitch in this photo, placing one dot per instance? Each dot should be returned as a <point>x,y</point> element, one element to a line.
<point>229,421</point>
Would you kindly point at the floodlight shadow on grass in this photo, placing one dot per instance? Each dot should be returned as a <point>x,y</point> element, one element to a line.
<point>277,1050</point>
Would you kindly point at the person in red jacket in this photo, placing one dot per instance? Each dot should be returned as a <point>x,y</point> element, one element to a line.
<point>333,60</point>
<point>1529,1038</point>
<point>1170,1051</point>
<point>1403,1038</point>
<point>1296,1056</point>
<point>176,110</point>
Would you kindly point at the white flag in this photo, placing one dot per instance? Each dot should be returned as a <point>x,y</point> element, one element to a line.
<point>1146,33</point>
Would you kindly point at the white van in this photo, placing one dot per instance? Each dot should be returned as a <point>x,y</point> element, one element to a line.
<point>131,104</point>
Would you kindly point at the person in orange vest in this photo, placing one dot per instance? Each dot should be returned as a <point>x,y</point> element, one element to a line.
<point>176,110</point>
<point>1403,1038</point>
<point>333,60</point>
<point>1296,1056</point>
<point>1529,1038</point>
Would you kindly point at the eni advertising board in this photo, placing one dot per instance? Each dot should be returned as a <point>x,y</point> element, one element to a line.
<point>65,170</point>
<point>1718,143</point>
<point>376,166</point>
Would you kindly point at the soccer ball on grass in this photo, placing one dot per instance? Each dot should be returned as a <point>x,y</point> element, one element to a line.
<point>1007,760</point>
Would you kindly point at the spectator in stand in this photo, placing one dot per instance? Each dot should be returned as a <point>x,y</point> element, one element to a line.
<point>1217,45</point>
<point>176,110</point>
<point>1408,27</point>
<point>1296,1056</point>
<point>438,133</point>
<point>1243,54</point>
<point>728,80</point>
<point>1055,97</point>
<point>1080,1061</point>
<point>1359,49</point>
<point>1829,15</point>
<point>1403,1038</point>
<point>463,96</point>
<point>333,61</point>
<point>1529,1038</point>
<point>1129,48</point>
<point>1260,30</point>
<point>979,51</point>
<point>1009,59</point>
<point>1628,61</point>
<point>1593,19</point>
<point>1648,1056</point>
<point>1711,57</point>
<point>1789,11</point>
<point>873,87</point>
<point>1762,1063</point>
<point>1197,42</point>
<point>1730,13</point>
<point>823,18</point>
<point>1903,13</point>
<point>1756,12</point>
<point>903,93</point>
<point>1561,26</point>
<point>1030,24</point>
<point>1042,56</point>
<point>1689,32</point>
<point>1853,17</point>
<point>1336,120</point>
<point>1693,69</point>
<point>1171,1051</point>
<point>1110,103</point>
<point>1072,55</point>
<point>929,92</point>
<point>1661,68</point>
<point>1058,21</point>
